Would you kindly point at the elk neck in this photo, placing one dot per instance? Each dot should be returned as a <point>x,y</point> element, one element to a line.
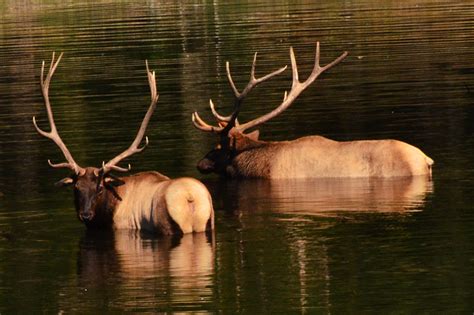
<point>252,156</point>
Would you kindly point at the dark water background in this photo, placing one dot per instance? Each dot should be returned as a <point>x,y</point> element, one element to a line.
<point>317,246</point>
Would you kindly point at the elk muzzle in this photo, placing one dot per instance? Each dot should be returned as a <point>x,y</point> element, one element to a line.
<point>86,216</point>
<point>85,211</point>
<point>216,161</point>
<point>206,166</point>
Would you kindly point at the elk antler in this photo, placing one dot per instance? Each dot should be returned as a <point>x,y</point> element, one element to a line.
<point>231,120</point>
<point>296,88</point>
<point>227,123</point>
<point>134,147</point>
<point>53,134</point>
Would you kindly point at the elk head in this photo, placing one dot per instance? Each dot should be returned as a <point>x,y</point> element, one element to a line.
<point>232,134</point>
<point>94,188</point>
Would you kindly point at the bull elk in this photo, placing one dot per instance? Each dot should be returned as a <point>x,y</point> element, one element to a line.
<point>146,201</point>
<point>241,154</point>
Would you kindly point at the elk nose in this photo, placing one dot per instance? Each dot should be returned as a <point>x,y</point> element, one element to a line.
<point>86,216</point>
<point>205,166</point>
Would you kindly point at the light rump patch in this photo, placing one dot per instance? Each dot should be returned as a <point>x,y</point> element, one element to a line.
<point>181,194</point>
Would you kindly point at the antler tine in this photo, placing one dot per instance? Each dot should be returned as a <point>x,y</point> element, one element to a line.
<point>317,70</point>
<point>219,117</point>
<point>53,134</point>
<point>152,84</point>
<point>117,168</point>
<point>297,87</point>
<point>265,77</point>
<point>202,125</point>
<point>231,82</point>
<point>294,70</point>
<point>253,80</point>
<point>134,147</point>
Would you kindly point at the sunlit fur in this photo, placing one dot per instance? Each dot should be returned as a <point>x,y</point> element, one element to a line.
<point>150,203</point>
<point>319,157</point>
<point>145,201</point>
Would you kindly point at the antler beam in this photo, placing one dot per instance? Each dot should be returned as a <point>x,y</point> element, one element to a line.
<point>53,134</point>
<point>134,147</point>
<point>297,87</point>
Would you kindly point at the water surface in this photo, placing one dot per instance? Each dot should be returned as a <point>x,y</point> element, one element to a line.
<point>313,246</point>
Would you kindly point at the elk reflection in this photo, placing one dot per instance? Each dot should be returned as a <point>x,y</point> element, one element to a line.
<point>319,196</point>
<point>303,249</point>
<point>172,269</point>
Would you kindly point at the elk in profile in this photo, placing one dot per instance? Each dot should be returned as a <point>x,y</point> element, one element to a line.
<point>146,201</point>
<point>241,154</point>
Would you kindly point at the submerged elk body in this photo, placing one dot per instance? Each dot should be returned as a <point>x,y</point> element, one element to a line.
<point>146,201</point>
<point>317,157</point>
<point>241,154</point>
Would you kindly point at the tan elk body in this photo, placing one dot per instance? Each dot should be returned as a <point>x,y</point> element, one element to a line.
<point>316,156</point>
<point>149,199</point>
<point>145,201</point>
<point>241,154</point>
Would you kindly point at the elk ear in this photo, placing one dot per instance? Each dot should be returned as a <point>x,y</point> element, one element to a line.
<point>64,182</point>
<point>254,135</point>
<point>112,181</point>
